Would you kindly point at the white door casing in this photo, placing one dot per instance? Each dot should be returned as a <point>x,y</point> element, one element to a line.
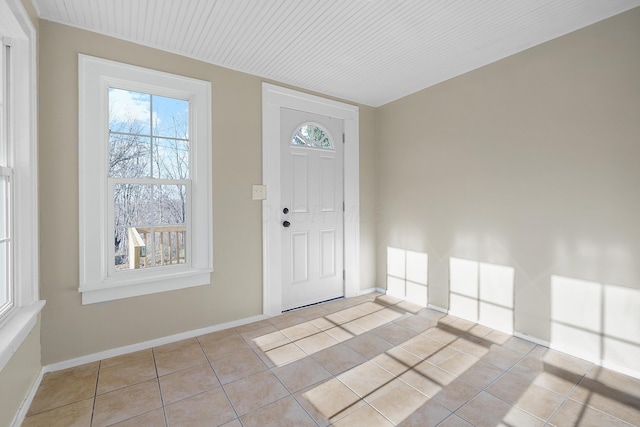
<point>275,98</point>
<point>312,216</point>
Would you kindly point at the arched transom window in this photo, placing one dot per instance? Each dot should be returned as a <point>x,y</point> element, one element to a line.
<point>312,135</point>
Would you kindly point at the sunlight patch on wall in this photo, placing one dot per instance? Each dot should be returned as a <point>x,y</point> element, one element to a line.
<point>482,293</point>
<point>407,275</point>
<point>596,322</point>
<point>576,307</point>
<point>622,326</point>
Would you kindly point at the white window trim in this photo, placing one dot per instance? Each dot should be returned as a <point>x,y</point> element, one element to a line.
<point>96,75</point>
<point>19,322</point>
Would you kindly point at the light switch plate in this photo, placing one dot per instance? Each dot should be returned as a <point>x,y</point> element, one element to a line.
<point>259,192</point>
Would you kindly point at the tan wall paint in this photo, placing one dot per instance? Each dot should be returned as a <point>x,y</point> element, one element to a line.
<point>368,138</point>
<point>19,375</point>
<point>70,329</point>
<point>531,162</point>
<point>511,164</point>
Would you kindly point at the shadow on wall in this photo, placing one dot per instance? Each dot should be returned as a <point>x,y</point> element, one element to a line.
<point>482,293</point>
<point>597,322</point>
<point>407,275</point>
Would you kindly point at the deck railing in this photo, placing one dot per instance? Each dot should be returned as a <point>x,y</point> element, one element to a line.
<point>169,242</point>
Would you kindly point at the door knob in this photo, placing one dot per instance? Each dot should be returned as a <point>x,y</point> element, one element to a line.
<point>286,224</point>
<point>285,211</point>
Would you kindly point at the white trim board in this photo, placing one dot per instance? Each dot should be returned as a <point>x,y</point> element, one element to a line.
<point>531,338</point>
<point>371,291</point>
<point>15,331</point>
<point>22,412</point>
<point>438,308</point>
<point>18,419</point>
<point>148,344</point>
<point>273,99</point>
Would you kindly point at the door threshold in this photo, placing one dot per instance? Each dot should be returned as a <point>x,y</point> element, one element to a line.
<point>312,304</point>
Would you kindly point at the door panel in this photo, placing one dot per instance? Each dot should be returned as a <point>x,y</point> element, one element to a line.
<point>299,183</point>
<point>328,184</point>
<point>299,257</point>
<point>328,253</point>
<point>312,200</point>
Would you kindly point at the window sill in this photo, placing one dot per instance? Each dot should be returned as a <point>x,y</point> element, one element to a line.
<point>119,290</point>
<point>16,329</point>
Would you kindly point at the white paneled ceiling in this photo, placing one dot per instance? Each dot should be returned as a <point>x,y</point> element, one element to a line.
<point>366,51</point>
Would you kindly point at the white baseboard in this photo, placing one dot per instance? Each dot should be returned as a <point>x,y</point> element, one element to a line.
<point>148,344</point>
<point>371,290</point>
<point>22,412</point>
<point>531,339</point>
<point>437,308</point>
<point>623,370</point>
<point>20,416</point>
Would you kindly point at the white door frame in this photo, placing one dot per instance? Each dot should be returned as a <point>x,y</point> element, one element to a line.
<point>274,98</point>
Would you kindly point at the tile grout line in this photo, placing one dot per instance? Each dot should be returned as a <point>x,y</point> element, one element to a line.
<point>235,411</point>
<point>566,398</point>
<point>271,369</point>
<point>510,370</point>
<point>586,404</point>
<point>155,367</point>
<point>95,393</point>
<point>333,376</point>
<point>485,388</point>
<point>513,405</point>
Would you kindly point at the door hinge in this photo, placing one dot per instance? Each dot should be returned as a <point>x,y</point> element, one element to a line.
<point>344,274</point>
<point>343,138</point>
<point>343,209</point>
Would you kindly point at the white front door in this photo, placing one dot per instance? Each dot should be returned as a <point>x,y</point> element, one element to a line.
<point>311,208</point>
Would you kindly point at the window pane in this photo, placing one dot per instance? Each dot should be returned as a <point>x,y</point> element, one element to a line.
<point>5,243</point>
<point>4,207</point>
<point>168,245</point>
<point>310,135</point>
<point>4,273</point>
<point>129,112</point>
<point>131,249</point>
<point>170,117</point>
<point>133,204</point>
<point>150,225</point>
<point>3,106</point>
<point>148,136</point>
<point>171,158</point>
<point>171,204</point>
<point>129,156</point>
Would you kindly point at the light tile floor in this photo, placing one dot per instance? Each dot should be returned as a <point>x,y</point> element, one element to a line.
<point>365,361</point>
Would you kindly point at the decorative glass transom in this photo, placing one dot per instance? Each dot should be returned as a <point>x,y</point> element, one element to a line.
<point>312,135</point>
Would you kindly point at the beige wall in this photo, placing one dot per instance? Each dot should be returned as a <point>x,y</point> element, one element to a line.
<point>531,162</point>
<point>19,375</point>
<point>528,163</point>
<point>70,329</point>
<point>368,217</point>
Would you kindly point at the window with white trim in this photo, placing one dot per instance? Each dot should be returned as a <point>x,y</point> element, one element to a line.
<point>145,181</point>
<point>6,188</point>
<point>312,135</point>
<point>19,299</point>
